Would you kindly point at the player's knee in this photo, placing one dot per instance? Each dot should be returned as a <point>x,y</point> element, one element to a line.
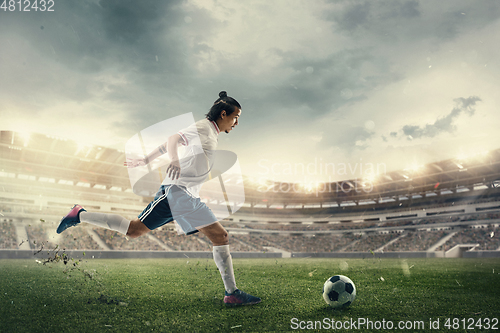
<point>224,238</point>
<point>136,229</point>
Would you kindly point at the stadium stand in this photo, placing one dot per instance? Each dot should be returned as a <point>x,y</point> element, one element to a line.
<point>487,237</point>
<point>420,240</point>
<point>38,238</point>
<point>7,236</point>
<point>117,241</point>
<point>371,242</point>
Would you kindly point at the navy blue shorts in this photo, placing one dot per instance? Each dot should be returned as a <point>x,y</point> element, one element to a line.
<point>175,203</point>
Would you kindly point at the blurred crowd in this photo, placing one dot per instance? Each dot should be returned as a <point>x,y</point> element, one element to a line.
<point>262,237</point>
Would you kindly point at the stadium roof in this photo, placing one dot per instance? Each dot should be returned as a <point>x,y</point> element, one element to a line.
<point>41,155</point>
<point>453,175</point>
<point>46,156</point>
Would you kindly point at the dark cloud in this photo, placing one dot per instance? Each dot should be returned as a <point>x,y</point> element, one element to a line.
<point>110,31</point>
<point>365,14</point>
<point>354,17</point>
<point>444,124</point>
<point>322,85</point>
<point>129,21</point>
<point>372,16</point>
<point>125,52</point>
<point>410,20</point>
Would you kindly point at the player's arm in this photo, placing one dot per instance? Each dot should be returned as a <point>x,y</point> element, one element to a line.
<point>174,168</point>
<point>157,152</point>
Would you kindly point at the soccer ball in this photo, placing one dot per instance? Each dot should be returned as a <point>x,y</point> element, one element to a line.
<point>339,291</point>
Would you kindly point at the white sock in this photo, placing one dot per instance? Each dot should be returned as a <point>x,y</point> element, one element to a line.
<point>108,221</point>
<point>224,262</point>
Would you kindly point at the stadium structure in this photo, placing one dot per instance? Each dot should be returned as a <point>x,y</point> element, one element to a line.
<point>449,208</point>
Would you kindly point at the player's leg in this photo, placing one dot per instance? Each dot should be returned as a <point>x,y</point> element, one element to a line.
<point>109,221</point>
<point>133,229</point>
<point>222,257</point>
<point>156,214</point>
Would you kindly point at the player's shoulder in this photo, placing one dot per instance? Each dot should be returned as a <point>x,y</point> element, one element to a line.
<point>206,126</point>
<point>203,123</point>
<point>197,126</point>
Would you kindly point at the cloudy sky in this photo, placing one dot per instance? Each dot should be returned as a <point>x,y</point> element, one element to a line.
<point>323,84</point>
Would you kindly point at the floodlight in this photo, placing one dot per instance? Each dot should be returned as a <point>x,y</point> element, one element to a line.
<point>462,156</point>
<point>25,137</point>
<point>414,167</point>
<point>370,178</point>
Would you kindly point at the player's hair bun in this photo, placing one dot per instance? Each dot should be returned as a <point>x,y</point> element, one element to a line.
<point>223,103</point>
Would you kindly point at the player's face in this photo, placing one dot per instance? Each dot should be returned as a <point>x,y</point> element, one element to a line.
<point>227,123</point>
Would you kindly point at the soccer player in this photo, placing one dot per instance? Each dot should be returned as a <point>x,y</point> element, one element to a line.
<point>178,197</point>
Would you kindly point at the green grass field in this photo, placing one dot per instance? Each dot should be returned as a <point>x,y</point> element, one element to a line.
<point>185,295</point>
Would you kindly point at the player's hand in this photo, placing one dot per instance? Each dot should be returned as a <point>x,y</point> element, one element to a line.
<point>174,170</point>
<point>134,162</point>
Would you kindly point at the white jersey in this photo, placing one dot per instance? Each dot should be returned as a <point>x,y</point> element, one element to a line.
<point>200,142</point>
